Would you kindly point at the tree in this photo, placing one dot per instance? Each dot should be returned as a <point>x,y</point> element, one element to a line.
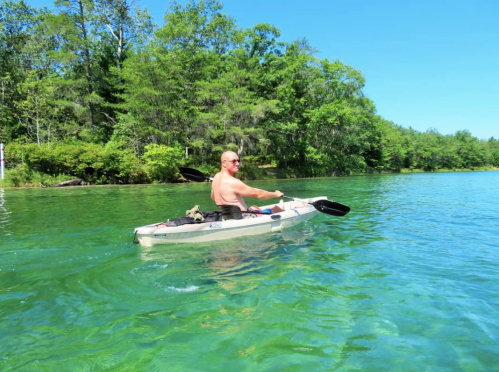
<point>17,24</point>
<point>492,151</point>
<point>72,27</point>
<point>342,124</point>
<point>168,79</point>
<point>470,151</point>
<point>286,79</point>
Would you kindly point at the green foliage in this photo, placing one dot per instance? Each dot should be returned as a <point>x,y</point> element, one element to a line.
<point>250,171</point>
<point>93,90</point>
<point>163,162</point>
<point>93,163</point>
<point>19,176</point>
<point>492,152</point>
<point>22,176</point>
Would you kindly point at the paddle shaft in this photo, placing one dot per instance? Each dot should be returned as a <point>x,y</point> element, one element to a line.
<point>293,198</point>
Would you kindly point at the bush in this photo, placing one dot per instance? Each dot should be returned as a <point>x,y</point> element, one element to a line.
<point>94,163</point>
<point>131,169</point>
<point>162,162</point>
<point>19,176</point>
<point>22,176</point>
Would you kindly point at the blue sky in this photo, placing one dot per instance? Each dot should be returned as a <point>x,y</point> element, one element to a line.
<point>427,64</point>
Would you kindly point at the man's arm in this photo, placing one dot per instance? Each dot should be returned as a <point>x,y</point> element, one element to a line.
<point>242,189</point>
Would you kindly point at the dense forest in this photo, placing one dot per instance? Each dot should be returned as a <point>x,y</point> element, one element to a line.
<point>95,89</point>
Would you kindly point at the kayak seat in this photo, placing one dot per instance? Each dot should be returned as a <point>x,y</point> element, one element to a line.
<point>212,216</point>
<point>230,212</point>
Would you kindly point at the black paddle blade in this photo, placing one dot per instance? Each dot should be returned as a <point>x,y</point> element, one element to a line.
<point>331,207</point>
<point>193,174</point>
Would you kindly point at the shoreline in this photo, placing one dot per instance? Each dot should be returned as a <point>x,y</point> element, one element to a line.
<point>268,176</point>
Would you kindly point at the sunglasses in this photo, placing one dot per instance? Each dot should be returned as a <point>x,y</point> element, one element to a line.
<point>233,161</point>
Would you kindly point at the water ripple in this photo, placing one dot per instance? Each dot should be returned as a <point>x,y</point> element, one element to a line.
<point>408,278</point>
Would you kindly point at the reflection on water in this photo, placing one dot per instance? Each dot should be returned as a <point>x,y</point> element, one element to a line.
<point>4,215</point>
<point>222,263</point>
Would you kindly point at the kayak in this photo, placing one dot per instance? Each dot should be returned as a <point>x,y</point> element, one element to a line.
<point>294,213</point>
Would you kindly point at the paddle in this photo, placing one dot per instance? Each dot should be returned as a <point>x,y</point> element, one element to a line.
<point>324,206</point>
<point>194,175</point>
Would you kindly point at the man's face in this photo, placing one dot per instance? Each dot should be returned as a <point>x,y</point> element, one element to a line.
<point>231,163</point>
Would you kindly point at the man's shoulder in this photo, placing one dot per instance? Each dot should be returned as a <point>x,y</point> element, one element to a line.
<point>235,182</point>
<point>224,176</point>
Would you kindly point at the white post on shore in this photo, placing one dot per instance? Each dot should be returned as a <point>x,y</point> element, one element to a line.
<point>1,159</point>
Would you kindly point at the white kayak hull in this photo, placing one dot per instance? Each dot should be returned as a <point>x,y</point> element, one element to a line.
<point>294,213</point>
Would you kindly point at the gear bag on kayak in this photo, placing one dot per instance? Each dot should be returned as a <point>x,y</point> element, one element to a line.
<point>208,216</point>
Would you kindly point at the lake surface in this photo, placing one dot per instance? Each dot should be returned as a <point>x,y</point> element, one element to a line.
<point>408,281</point>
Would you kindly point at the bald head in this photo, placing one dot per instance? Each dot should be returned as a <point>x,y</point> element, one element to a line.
<point>230,162</point>
<point>229,155</point>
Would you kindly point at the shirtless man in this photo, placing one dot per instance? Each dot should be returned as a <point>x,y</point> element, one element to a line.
<point>228,190</point>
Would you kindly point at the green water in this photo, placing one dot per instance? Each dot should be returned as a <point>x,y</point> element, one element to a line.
<point>408,281</point>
